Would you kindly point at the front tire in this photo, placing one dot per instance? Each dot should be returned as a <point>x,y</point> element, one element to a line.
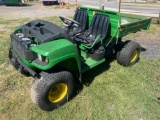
<point>129,53</point>
<point>52,89</point>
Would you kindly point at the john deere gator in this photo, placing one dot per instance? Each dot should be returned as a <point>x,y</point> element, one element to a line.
<point>56,57</point>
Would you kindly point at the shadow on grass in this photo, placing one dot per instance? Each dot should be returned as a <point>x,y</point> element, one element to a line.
<point>88,77</point>
<point>143,49</point>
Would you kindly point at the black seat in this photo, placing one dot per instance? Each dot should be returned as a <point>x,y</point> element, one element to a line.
<point>97,31</point>
<point>81,17</point>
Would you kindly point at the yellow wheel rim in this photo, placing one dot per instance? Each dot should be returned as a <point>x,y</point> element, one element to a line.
<point>58,92</point>
<point>134,56</point>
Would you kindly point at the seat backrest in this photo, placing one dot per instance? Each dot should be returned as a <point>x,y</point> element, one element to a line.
<point>99,25</point>
<point>81,17</point>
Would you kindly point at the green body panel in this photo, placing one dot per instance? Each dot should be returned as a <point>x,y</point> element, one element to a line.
<point>56,51</point>
<point>88,64</point>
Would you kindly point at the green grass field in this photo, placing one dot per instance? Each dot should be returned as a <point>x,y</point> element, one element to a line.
<point>110,91</point>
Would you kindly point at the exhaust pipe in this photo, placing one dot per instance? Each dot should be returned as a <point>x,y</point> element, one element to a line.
<point>33,73</point>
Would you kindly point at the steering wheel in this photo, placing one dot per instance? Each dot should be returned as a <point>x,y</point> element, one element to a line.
<point>67,22</point>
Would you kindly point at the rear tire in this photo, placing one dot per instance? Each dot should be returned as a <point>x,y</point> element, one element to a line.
<point>128,54</point>
<point>52,89</point>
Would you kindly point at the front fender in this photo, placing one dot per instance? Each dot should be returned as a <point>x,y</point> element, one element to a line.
<point>56,51</point>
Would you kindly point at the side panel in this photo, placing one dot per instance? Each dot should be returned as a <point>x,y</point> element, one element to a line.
<point>134,27</point>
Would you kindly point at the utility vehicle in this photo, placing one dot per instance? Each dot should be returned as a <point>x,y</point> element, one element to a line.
<point>56,57</point>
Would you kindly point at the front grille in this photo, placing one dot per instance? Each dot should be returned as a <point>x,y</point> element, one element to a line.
<point>22,47</point>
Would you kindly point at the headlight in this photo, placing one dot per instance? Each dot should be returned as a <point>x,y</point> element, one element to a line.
<point>45,59</point>
<point>39,57</point>
<point>42,58</point>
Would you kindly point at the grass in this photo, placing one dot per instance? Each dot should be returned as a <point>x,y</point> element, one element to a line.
<point>153,29</point>
<point>156,20</point>
<point>110,91</point>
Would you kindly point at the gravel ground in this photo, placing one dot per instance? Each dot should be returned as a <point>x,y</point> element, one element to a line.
<point>32,11</point>
<point>150,42</point>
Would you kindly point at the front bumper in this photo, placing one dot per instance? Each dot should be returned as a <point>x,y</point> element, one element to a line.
<point>19,65</point>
